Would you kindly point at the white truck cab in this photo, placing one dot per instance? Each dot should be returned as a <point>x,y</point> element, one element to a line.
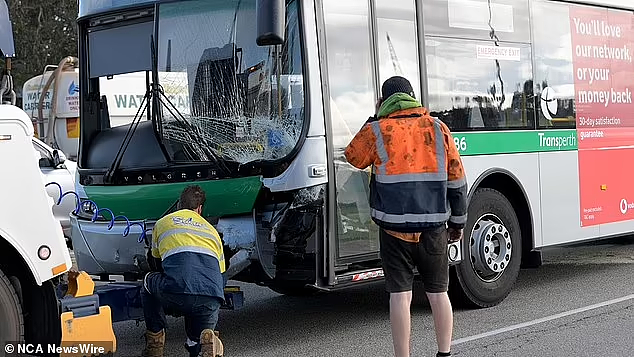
<point>33,254</point>
<point>26,218</point>
<point>34,308</point>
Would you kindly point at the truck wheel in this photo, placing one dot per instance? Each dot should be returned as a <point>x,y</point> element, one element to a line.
<point>43,324</point>
<point>492,251</point>
<point>10,312</point>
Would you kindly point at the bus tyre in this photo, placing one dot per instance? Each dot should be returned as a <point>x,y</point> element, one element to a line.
<point>10,312</point>
<point>492,251</point>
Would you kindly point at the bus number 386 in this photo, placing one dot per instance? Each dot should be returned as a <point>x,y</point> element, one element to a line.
<point>461,143</point>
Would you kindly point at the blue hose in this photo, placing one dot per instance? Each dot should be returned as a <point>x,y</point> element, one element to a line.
<point>98,213</point>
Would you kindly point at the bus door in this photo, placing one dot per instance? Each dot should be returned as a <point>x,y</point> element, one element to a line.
<point>350,70</point>
<point>366,43</point>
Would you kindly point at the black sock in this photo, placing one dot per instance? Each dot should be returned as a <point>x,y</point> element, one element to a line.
<point>443,354</point>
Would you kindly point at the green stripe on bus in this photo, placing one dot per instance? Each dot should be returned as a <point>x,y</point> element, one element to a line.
<point>510,142</point>
<point>150,201</point>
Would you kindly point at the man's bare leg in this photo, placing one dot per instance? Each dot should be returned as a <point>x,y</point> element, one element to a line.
<point>400,321</point>
<point>443,319</point>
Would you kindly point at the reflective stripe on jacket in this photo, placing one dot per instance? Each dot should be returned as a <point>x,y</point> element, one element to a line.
<point>418,179</point>
<point>186,231</point>
<point>191,252</point>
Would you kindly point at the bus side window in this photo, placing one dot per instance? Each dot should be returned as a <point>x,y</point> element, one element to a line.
<point>475,19</point>
<point>471,86</point>
<point>553,51</point>
<point>397,39</point>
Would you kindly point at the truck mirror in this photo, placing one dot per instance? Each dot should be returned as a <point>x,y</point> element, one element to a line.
<point>57,158</point>
<point>6,32</point>
<point>44,162</point>
<point>271,22</point>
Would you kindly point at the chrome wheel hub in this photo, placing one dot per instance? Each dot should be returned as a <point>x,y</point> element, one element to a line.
<point>491,247</point>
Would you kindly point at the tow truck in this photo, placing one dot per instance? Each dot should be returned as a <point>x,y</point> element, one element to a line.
<point>45,308</point>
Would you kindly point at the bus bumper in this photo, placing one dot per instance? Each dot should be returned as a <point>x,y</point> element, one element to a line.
<point>86,326</point>
<point>100,250</point>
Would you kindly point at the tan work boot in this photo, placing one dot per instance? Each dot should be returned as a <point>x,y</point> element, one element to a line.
<point>154,344</point>
<point>210,344</point>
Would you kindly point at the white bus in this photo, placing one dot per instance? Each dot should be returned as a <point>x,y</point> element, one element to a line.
<point>538,95</point>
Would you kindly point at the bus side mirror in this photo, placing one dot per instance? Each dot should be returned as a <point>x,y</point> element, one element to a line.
<point>271,22</point>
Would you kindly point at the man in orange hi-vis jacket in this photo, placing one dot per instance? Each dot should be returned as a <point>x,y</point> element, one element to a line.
<point>418,196</point>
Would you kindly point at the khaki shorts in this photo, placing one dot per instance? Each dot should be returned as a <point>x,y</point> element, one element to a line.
<point>429,255</point>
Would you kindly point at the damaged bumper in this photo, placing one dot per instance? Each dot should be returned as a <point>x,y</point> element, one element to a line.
<point>102,251</point>
<point>99,250</point>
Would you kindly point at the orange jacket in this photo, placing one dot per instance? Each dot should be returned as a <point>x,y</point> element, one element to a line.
<point>418,179</point>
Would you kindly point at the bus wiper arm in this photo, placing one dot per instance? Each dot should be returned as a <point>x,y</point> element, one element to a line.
<point>198,140</point>
<point>108,177</point>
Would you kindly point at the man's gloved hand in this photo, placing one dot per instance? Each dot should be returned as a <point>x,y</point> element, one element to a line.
<point>454,234</point>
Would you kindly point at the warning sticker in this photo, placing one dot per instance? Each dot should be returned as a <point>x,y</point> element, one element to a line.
<point>498,52</point>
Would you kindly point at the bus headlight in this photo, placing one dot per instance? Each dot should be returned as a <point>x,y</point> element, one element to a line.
<point>87,210</point>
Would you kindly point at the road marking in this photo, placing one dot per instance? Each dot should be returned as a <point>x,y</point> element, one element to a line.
<point>541,320</point>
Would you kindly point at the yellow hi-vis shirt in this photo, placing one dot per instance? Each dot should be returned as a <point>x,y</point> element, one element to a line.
<point>186,231</point>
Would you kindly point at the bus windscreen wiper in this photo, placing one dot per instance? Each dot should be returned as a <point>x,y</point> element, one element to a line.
<point>198,140</point>
<point>108,177</point>
<point>145,104</point>
<point>160,100</point>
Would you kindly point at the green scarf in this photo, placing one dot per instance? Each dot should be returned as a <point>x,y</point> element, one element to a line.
<point>396,102</point>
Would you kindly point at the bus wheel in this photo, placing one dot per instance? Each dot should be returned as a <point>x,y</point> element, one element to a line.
<point>10,312</point>
<point>492,250</point>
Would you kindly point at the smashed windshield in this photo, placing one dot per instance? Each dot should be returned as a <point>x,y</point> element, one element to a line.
<point>240,101</point>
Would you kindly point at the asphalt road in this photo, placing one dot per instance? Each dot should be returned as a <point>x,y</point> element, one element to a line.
<point>579,303</point>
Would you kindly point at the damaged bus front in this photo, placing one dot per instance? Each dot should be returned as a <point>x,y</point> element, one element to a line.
<point>247,99</point>
<point>223,104</point>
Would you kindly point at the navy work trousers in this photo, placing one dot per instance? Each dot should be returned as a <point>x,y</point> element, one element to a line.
<point>200,311</point>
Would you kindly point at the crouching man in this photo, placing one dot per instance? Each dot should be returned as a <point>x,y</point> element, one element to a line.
<point>187,260</point>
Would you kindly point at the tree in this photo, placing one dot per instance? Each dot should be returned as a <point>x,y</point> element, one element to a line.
<point>45,31</point>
